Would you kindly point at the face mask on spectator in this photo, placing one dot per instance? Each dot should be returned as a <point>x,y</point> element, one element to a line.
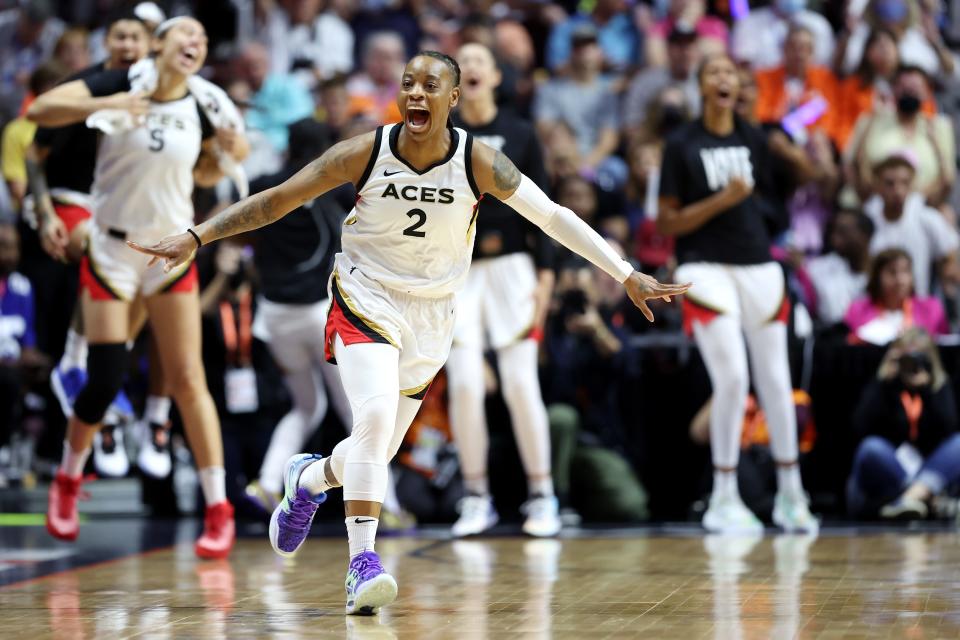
<point>908,104</point>
<point>891,11</point>
<point>790,7</point>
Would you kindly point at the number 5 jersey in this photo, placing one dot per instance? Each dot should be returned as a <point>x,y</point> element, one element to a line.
<point>413,231</point>
<point>143,179</point>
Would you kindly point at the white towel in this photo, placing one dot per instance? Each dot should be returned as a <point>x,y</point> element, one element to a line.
<point>216,105</point>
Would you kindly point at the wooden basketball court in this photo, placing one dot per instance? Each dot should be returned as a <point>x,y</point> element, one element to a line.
<point>627,584</point>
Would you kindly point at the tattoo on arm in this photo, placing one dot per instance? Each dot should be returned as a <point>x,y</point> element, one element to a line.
<point>505,174</point>
<point>252,213</point>
<point>37,183</point>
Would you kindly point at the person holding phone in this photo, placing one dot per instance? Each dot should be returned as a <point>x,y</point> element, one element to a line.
<point>717,198</point>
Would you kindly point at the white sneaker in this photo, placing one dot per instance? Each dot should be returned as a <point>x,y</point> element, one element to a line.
<point>728,515</point>
<point>791,512</point>
<point>109,454</point>
<point>476,516</point>
<point>154,457</point>
<point>543,517</point>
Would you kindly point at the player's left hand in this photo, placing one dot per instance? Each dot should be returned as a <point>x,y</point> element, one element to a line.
<point>641,287</point>
<point>174,250</point>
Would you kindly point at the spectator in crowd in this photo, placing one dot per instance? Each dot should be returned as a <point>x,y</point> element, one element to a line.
<point>881,132</point>
<point>584,102</point>
<point>917,36</point>
<point>28,35</point>
<point>18,134</point>
<point>806,176</point>
<point>891,304</point>
<point>839,277</point>
<point>73,49</point>
<point>710,32</point>
<point>583,198</point>
<point>305,38</point>
<point>758,37</point>
<point>20,362</point>
<point>373,91</point>
<point>903,220</point>
<point>147,12</point>
<point>870,87</point>
<point>680,71</point>
<point>612,28</point>
<point>334,106</point>
<point>373,16</point>
<point>592,366</point>
<point>427,471</point>
<point>277,99</point>
<point>907,419</point>
<point>796,82</point>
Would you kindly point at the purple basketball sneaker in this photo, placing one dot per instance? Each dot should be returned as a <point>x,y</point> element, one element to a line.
<point>369,586</point>
<point>291,520</point>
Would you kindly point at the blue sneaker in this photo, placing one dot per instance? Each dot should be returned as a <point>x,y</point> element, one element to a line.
<point>290,522</point>
<point>369,586</point>
<point>121,407</point>
<point>66,385</point>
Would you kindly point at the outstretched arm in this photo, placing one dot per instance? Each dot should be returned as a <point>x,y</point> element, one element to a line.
<point>496,174</point>
<point>341,163</point>
<point>72,102</point>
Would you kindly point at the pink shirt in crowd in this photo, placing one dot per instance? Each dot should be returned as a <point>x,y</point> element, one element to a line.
<point>872,324</point>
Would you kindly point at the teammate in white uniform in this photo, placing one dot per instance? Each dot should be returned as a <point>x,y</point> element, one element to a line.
<point>406,252</point>
<point>142,188</point>
<point>503,306</point>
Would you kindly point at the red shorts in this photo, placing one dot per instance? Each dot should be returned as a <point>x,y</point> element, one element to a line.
<point>71,214</point>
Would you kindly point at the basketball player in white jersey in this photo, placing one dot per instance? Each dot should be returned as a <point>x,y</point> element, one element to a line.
<point>406,252</point>
<point>502,305</point>
<point>142,188</point>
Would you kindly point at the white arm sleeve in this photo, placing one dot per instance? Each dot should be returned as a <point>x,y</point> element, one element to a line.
<point>567,228</point>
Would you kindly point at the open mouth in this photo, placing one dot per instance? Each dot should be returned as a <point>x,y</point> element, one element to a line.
<point>473,83</point>
<point>724,93</point>
<point>417,118</point>
<point>189,55</point>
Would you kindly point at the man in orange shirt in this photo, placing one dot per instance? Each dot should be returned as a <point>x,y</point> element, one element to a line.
<point>797,82</point>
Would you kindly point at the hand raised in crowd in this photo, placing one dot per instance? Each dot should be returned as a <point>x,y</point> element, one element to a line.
<point>641,287</point>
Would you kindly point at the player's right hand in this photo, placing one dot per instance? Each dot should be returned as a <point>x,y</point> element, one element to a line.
<point>737,190</point>
<point>136,104</point>
<point>53,236</point>
<point>174,250</point>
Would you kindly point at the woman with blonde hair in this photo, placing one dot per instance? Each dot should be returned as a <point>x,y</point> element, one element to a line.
<point>907,419</point>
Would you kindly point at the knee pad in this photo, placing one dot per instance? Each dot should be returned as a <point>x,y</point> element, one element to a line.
<point>106,368</point>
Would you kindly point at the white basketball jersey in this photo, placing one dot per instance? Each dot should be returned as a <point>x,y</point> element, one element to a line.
<point>144,177</point>
<point>412,230</point>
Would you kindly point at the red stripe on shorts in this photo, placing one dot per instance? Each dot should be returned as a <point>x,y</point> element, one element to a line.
<point>695,312</point>
<point>72,215</point>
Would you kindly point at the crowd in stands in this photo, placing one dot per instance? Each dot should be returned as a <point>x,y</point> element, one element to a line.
<point>859,102</point>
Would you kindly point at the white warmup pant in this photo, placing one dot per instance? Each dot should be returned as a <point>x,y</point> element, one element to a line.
<point>294,334</point>
<point>496,307</point>
<point>728,302</point>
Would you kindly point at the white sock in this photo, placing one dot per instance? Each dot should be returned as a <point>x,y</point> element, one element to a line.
<point>213,481</point>
<point>542,487</point>
<point>314,478</point>
<point>361,533</point>
<point>74,352</point>
<point>725,484</point>
<point>477,486</point>
<point>788,480</point>
<point>157,410</point>
<point>73,462</point>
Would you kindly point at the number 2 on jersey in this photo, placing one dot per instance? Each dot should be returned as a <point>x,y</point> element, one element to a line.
<point>421,216</point>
